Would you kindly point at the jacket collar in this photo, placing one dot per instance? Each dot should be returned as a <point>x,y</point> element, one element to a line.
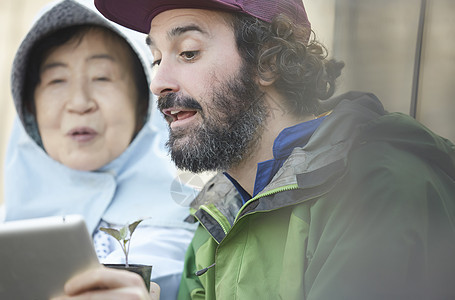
<point>316,168</point>
<point>308,172</point>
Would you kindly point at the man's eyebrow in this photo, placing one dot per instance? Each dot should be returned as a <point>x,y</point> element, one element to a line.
<point>148,41</point>
<point>178,31</point>
<point>183,29</point>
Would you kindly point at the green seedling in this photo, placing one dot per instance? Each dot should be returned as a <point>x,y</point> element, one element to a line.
<point>123,236</point>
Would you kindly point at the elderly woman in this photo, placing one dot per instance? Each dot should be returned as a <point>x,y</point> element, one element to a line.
<point>87,143</point>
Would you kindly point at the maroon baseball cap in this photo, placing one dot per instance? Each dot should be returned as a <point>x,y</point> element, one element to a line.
<point>138,14</point>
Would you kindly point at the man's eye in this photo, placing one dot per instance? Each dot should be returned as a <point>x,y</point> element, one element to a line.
<point>189,55</point>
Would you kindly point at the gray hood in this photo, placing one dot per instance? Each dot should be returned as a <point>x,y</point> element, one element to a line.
<point>56,16</point>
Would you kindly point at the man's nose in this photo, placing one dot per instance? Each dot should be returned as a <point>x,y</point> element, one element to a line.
<point>164,79</point>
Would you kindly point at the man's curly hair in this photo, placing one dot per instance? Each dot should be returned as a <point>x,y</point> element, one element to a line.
<point>280,51</point>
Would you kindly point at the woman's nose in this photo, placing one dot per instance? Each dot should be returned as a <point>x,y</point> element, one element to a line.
<point>80,99</point>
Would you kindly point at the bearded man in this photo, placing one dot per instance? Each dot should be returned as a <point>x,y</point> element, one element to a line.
<point>356,203</point>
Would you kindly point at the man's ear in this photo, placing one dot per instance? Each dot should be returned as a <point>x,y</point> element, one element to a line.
<point>267,80</point>
<point>267,74</point>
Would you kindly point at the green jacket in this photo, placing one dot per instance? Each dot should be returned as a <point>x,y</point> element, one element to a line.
<point>366,210</point>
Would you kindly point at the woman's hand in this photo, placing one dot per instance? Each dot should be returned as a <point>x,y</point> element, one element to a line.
<point>105,283</point>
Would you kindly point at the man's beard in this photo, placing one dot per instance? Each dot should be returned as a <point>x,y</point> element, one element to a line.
<point>232,125</point>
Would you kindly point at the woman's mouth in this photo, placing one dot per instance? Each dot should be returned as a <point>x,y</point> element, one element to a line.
<point>82,134</point>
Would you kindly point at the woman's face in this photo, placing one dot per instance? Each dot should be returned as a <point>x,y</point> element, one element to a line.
<point>86,101</point>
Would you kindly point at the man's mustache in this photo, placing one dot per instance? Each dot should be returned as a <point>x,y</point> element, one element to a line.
<point>174,100</point>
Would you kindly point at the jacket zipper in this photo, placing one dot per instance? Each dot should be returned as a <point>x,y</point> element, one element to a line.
<point>223,222</point>
<point>221,219</point>
<point>268,193</point>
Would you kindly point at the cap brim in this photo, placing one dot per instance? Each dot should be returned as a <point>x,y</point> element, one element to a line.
<point>138,14</point>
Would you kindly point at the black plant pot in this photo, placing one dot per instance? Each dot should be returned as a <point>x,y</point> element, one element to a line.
<point>143,270</point>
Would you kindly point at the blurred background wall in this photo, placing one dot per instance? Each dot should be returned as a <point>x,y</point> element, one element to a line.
<point>404,52</point>
<point>16,17</point>
<point>401,50</point>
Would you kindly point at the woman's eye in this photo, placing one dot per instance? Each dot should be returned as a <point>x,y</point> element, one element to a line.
<point>102,78</point>
<point>56,81</point>
<point>189,55</point>
<point>156,63</point>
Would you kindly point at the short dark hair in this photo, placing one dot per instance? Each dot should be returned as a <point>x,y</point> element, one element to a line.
<point>280,51</point>
<point>62,36</point>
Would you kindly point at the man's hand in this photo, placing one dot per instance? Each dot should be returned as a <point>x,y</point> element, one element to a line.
<point>105,283</point>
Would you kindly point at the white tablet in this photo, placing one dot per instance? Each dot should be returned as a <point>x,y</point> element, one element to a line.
<point>37,256</point>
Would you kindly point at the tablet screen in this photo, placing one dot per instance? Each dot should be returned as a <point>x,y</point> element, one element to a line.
<point>37,256</point>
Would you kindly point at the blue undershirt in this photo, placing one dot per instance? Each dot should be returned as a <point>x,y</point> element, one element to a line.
<point>288,139</point>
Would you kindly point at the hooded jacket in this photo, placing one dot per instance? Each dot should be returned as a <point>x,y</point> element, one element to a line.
<point>366,210</point>
<point>138,184</point>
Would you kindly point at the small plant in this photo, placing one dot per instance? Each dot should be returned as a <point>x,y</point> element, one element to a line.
<point>123,236</point>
